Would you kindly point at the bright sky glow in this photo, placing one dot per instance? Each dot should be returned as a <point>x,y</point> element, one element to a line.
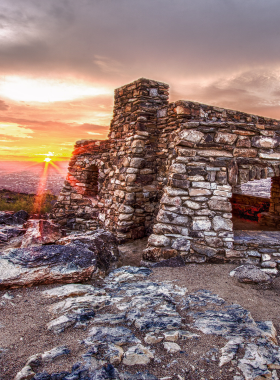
<point>12,129</point>
<point>44,90</point>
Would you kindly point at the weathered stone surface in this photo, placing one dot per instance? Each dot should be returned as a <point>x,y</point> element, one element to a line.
<point>225,138</point>
<point>250,274</point>
<point>265,142</point>
<point>172,336</point>
<point>153,339</point>
<point>159,240</point>
<point>198,192</point>
<point>25,374</point>
<point>230,350</point>
<point>178,168</point>
<point>192,205</point>
<point>201,224</point>
<point>172,201</point>
<point>171,347</point>
<point>12,218</point>
<point>219,204</point>
<point>181,244</point>
<point>72,262</point>
<point>204,250</point>
<point>10,232</point>
<point>45,265</point>
<point>137,355</point>
<point>215,153</point>
<point>191,135</point>
<point>48,356</point>
<point>70,290</point>
<point>40,232</point>
<point>115,335</point>
<point>102,243</point>
<point>136,162</point>
<point>170,217</point>
<point>220,223</point>
<point>242,152</point>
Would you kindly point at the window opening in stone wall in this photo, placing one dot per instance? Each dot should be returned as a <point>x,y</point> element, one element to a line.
<point>249,201</point>
<point>92,182</point>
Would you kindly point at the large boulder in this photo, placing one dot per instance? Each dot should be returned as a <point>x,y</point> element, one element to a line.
<point>250,274</point>
<point>73,261</point>
<point>20,217</point>
<point>102,243</point>
<point>40,231</point>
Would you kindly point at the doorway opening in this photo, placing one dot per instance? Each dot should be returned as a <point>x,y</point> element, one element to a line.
<point>92,182</point>
<point>248,201</point>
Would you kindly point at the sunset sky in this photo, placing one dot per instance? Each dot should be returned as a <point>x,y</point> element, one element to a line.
<point>60,61</point>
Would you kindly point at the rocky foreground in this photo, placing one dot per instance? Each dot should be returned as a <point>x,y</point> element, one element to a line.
<point>136,328</point>
<point>126,325</point>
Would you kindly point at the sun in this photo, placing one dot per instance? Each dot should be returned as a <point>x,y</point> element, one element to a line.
<point>47,159</point>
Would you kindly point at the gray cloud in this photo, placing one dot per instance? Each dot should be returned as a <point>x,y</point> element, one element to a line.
<point>250,91</point>
<point>169,40</point>
<point>223,52</point>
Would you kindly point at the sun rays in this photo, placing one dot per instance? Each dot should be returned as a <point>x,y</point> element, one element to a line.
<point>41,190</point>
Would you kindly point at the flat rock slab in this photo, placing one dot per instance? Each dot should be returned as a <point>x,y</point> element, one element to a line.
<point>261,238</point>
<point>141,329</point>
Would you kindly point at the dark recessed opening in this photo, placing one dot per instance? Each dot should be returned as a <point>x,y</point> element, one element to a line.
<point>92,182</point>
<point>248,201</point>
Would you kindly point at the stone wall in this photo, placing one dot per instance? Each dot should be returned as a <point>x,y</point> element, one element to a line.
<point>258,248</point>
<point>128,163</point>
<point>210,150</point>
<point>170,167</point>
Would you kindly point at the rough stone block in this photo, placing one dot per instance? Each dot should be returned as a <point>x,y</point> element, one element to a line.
<point>201,224</point>
<point>197,192</point>
<point>159,240</point>
<point>191,135</point>
<point>220,223</point>
<point>204,250</point>
<point>225,138</point>
<point>181,244</point>
<point>219,204</point>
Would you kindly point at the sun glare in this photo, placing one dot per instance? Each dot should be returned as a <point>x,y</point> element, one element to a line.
<point>41,90</point>
<point>47,159</point>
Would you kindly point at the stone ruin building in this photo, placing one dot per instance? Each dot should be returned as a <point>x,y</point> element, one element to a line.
<point>168,171</point>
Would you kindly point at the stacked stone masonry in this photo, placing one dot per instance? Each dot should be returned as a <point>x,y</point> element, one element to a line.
<point>168,170</point>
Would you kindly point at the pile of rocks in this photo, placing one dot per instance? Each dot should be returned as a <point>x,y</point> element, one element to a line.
<point>136,329</point>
